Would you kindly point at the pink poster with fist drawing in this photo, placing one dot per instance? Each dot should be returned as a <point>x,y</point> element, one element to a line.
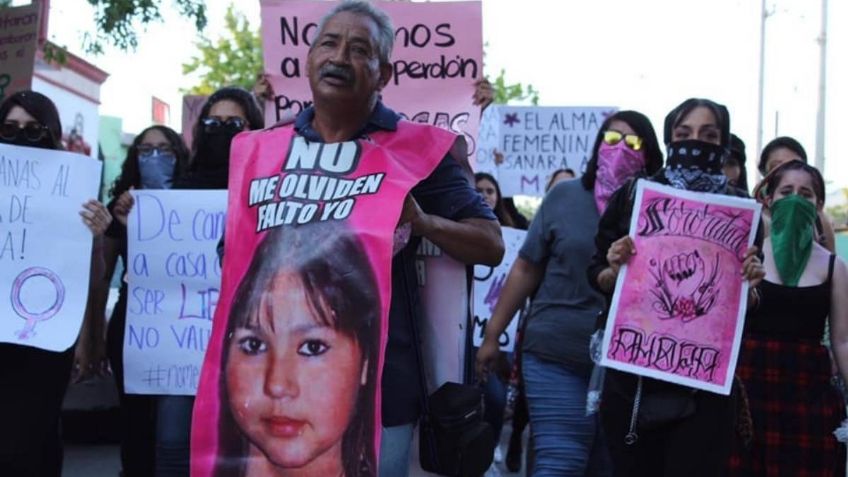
<point>679,305</point>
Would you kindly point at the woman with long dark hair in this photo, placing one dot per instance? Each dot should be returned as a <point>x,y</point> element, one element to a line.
<point>33,381</point>
<point>155,159</point>
<point>226,113</point>
<point>551,270</point>
<point>300,359</point>
<point>688,443</point>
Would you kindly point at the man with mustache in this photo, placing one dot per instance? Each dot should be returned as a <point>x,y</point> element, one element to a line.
<point>348,65</point>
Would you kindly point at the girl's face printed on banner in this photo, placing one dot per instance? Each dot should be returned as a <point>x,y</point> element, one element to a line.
<point>700,124</point>
<point>293,380</point>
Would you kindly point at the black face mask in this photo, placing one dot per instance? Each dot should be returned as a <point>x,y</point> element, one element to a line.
<point>696,166</point>
<point>214,151</point>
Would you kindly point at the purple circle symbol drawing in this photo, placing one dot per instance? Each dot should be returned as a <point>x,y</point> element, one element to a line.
<point>32,317</point>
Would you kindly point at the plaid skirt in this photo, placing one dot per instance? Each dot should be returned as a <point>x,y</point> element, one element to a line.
<point>794,411</point>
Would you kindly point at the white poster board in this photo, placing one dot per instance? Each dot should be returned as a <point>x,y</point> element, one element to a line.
<point>535,142</point>
<point>174,280</point>
<point>488,283</point>
<point>45,248</point>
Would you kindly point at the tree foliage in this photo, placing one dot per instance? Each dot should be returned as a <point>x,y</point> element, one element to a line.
<point>117,20</point>
<point>233,60</point>
<point>505,92</point>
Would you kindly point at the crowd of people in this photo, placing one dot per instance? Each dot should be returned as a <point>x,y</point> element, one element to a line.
<point>778,419</point>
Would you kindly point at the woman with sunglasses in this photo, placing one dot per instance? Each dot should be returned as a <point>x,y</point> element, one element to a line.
<point>33,381</point>
<point>695,441</point>
<point>226,113</point>
<point>156,158</point>
<point>551,271</point>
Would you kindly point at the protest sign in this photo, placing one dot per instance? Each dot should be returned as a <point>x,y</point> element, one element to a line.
<point>679,304</point>
<point>45,248</point>
<point>174,280</point>
<point>305,293</point>
<point>443,288</point>
<point>488,283</point>
<point>535,142</point>
<point>18,42</point>
<point>436,60</point>
<point>192,104</point>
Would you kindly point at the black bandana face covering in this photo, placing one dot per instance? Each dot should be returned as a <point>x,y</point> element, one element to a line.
<point>695,165</point>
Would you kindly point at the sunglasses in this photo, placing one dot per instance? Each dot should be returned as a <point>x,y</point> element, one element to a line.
<point>212,125</point>
<point>31,131</point>
<point>613,137</point>
<point>146,150</point>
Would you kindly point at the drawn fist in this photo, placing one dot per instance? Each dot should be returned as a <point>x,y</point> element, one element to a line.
<point>685,273</point>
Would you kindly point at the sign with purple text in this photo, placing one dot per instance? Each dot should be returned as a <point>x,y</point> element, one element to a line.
<point>437,57</point>
<point>679,304</point>
<point>536,141</point>
<point>19,33</point>
<point>45,248</point>
<point>174,279</point>
<point>488,284</point>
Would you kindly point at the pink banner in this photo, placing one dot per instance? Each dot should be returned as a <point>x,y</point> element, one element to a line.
<point>437,57</point>
<point>679,304</point>
<point>291,378</point>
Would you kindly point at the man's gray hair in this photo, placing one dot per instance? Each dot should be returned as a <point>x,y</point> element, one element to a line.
<point>385,29</point>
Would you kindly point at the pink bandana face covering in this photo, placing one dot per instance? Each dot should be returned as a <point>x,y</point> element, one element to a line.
<point>616,164</point>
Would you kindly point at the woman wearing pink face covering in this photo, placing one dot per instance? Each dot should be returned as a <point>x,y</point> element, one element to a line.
<point>552,267</point>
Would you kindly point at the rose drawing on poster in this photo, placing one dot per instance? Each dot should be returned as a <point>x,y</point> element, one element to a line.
<point>678,309</point>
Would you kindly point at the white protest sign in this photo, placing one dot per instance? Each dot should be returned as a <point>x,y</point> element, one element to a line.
<point>45,249</point>
<point>488,283</point>
<point>174,280</point>
<point>535,142</point>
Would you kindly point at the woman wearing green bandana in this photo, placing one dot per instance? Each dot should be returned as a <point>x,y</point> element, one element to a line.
<point>782,362</point>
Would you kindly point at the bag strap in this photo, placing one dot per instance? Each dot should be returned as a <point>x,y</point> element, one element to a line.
<point>416,340</point>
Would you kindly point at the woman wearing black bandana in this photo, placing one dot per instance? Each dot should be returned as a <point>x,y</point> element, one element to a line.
<point>691,434</point>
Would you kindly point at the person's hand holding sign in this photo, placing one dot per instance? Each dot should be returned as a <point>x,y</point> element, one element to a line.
<point>753,271</point>
<point>618,254</point>
<point>96,217</point>
<point>122,207</point>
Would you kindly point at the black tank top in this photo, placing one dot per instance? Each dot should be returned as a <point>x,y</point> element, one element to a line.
<point>791,312</point>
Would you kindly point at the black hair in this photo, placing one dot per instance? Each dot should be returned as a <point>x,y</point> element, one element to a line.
<point>501,213</point>
<point>339,283</point>
<point>782,142</point>
<point>673,118</point>
<point>564,170</point>
<point>39,107</point>
<point>737,155</point>
<point>130,176</point>
<point>240,96</point>
<point>641,125</point>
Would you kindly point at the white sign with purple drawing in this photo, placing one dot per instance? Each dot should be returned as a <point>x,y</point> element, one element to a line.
<point>488,283</point>
<point>174,280</point>
<point>45,249</point>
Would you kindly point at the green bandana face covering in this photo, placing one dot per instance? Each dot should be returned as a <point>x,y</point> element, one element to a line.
<point>792,219</point>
